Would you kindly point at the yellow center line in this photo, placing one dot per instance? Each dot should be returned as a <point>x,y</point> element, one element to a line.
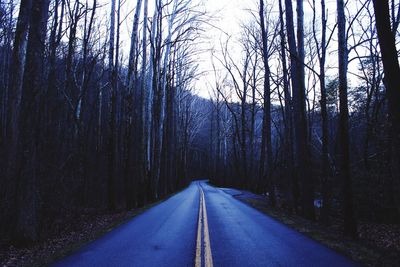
<point>202,224</point>
<point>207,244</point>
<point>198,241</point>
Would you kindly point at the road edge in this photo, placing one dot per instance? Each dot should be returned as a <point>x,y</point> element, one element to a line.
<point>360,253</point>
<point>73,248</point>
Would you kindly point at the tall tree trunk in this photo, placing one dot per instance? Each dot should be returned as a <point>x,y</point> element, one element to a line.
<point>29,175</point>
<point>325,123</point>
<point>288,153</point>
<point>82,143</point>
<point>150,90</point>
<point>112,119</point>
<point>253,112</point>
<point>350,226</point>
<point>303,146</point>
<point>144,102</point>
<point>392,80</point>
<point>69,78</point>
<point>243,126</point>
<point>14,108</point>
<point>326,174</point>
<point>295,88</point>
<point>162,101</point>
<point>53,102</point>
<point>133,132</point>
<point>132,52</point>
<point>266,132</point>
<point>155,74</point>
<point>300,121</point>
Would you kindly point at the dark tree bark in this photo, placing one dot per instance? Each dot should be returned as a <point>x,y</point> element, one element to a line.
<point>326,174</point>
<point>295,87</point>
<point>17,71</point>
<point>145,102</point>
<point>392,82</point>
<point>112,205</point>
<point>133,50</point>
<point>14,103</point>
<point>134,124</point>
<point>288,116</point>
<point>350,226</point>
<point>69,85</point>
<point>303,146</point>
<point>325,123</point>
<point>29,175</point>
<point>53,101</point>
<point>299,100</point>
<point>266,128</point>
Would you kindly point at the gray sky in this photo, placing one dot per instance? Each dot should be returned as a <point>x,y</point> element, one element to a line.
<point>228,16</point>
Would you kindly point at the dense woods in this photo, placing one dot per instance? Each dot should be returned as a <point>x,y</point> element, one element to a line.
<point>306,114</point>
<point>303,108</point>
<point>80,128</point>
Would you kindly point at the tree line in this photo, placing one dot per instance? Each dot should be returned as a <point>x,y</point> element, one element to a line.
<point>302,108</point>
<point>83,126</point>
<point>307,113</point>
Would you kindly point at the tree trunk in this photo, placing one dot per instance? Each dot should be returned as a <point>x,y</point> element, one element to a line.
<point>392,81</point>
<point>326,174</point>
<point>29,175</point>
<point>295,85</point>
<point>303,147</point>
<point>145,95</point>
<point>350,226</point>
<point>112,119</point>
<point>288,142</point>
<point>14,104</point>
<point>266,132</point>
<point>132,52</point>
<point>162,102</point>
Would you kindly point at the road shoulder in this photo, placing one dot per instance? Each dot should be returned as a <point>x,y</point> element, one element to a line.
<point>360,251</point>
<point>72,236</point>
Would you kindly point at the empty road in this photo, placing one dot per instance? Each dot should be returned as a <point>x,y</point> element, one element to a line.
<point>204,226</point>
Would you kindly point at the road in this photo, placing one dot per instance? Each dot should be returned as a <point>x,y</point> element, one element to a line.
<point>204,226</point>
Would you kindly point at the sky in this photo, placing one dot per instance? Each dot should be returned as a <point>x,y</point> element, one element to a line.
<point>230,14</point>
<point>227,17</point>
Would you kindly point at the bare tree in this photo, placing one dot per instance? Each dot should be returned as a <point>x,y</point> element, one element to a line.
<point>14,100</point>
<point>29,177</point>
<point>266,144</point>
<point>350,227</point>
<point>321,50</point>
<point>391,80</point>
<point>112,72</point>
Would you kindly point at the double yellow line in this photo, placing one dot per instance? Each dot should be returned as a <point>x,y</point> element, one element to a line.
<point>203,235</point>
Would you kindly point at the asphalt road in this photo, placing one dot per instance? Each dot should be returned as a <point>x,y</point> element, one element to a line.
<point>204,226</point>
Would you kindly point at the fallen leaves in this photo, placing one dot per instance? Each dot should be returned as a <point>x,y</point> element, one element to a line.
<point>65,236</point>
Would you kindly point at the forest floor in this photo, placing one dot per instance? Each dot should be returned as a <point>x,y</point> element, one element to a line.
<point>377,245</point>
<point>65,236</point>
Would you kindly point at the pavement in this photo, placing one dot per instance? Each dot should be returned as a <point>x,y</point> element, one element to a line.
<point>204,226</point>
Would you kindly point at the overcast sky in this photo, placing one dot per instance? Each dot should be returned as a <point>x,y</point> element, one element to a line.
<point>227,17</point>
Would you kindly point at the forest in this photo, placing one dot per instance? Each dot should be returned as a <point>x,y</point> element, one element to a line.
<point>302,107</point>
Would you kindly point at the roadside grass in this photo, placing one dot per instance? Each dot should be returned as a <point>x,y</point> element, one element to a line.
<point>360,251</point>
